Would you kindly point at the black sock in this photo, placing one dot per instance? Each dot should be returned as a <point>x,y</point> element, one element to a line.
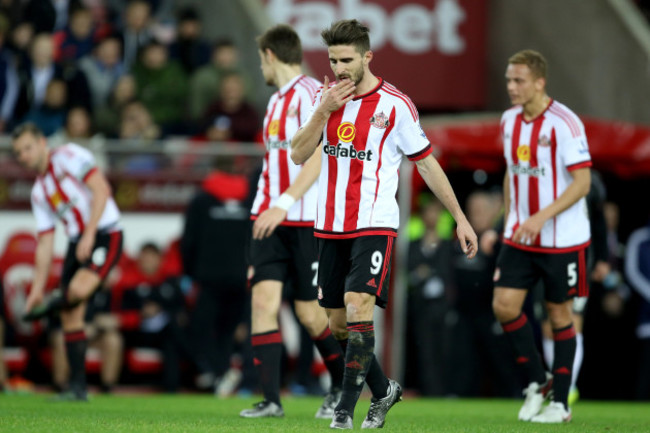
<point>267,354</point>
<point>564,352</point>
<point>75,348</point>
<point>358,358</point>
<point>520,335</point>
<point>332,356</point>
<point>375,378</point>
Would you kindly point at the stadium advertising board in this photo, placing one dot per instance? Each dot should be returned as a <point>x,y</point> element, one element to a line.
<point>432,50</point>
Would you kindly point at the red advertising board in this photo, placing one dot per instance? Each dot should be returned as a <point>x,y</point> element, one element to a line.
<point>432,50</point>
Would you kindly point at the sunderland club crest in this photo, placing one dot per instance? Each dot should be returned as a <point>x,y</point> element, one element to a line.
<point>544,141</point>
<point>292,111</point>
<point>380,120</point>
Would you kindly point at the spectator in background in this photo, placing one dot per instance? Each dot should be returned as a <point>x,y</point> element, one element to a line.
<point>161,86</point>
<point>429,269</point>
<point>136,32</point>
<point>50,116</point>
<point>205,82</point>
<point>3,368</point>
<point>231,117</point>
<point>76,40</point>
<point>107,118</point>
<point>190,49</point>
<point>8,76</point>
<point>36,75</point>
<point>19,42</point>
<point>43,15</point>
<point>216,225</point>
<point>480,351</point>
<point>103,69</point>
<point>637,271</point>
<point>78,128</point>
<point>137,123</point>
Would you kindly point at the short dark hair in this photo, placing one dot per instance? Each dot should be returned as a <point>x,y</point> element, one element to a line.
<point>284,42</point>
<point>27,127</point>
<point>150,246</point>
<point>348,32</point>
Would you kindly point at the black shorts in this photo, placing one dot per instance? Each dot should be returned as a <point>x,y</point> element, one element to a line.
<point>564,275</point>
<point>106,252</point>
<point>288,256</point>
<point>360,265</point>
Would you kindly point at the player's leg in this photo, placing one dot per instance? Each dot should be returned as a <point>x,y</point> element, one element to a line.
<point>579,305</point>
<point>515,273</point>
<point>60,369</point>
<point>111,347</point>
<point>304,251</point>
<point>267,347</point>
<point>314,319</point>
<point>268,270</point>
<point>564,277</point>
<point>365,287</point>
<point>76,345</point>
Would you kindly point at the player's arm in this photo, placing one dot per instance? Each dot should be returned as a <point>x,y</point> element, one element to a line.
<point>100,192</point>
<point>306,140</point>
<point>506,197</point>
<point>437,181</point>
<point>42,261</point>
<point>268,220</point>
<point>576,190</point>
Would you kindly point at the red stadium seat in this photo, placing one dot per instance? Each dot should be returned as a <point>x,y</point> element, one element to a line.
<point>15,358</point>
<point>144,360</point>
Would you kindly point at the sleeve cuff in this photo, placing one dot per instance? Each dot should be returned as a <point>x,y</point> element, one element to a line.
<point>90,172</point>
<point>421,154</point>
<point>578,165</point>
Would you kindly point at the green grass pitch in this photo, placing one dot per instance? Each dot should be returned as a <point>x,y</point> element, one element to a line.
<point>202,413</point>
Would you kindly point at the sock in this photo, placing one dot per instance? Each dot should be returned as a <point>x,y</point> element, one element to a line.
<point>547,347</point>
<point>577,361</point>
<point>375,378</point>
<point>358,358</point>
<point>75,348</point>
<point>520,335</point>
<point>565,351</point>
<point>332,356</point>
<point>267,354</point>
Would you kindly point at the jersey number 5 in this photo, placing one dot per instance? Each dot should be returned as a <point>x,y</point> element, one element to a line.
<point>572,274</point>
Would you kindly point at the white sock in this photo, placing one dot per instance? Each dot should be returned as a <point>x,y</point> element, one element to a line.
<point>548,346</point>
<point>577,361</point>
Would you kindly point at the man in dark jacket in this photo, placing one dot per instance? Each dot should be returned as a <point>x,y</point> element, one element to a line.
<point>213,252</point>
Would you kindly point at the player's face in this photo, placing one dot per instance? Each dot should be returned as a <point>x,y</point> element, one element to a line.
<point>522,85</point>
<point>346,62</point>
<point>30,151</point>
<point>267,70</point>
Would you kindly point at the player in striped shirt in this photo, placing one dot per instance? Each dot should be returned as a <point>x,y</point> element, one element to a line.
<point>365,126</point>
<point>547,230</point>
<point>283,248</point>
<point>69,188</point>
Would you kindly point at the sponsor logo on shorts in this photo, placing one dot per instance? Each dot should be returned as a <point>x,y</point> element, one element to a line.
<point>99,256</point>
<point>497,275</point>
<point>250,273</point>
<point>320,292</point>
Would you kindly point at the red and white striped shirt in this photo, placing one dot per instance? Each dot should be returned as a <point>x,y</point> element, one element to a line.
<point>61,193</point>
<point>286,112</point>
<point>540,154</point>
<point>364,142</point>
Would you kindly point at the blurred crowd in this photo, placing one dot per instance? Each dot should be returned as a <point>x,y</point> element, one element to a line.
<point>136,69</point>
